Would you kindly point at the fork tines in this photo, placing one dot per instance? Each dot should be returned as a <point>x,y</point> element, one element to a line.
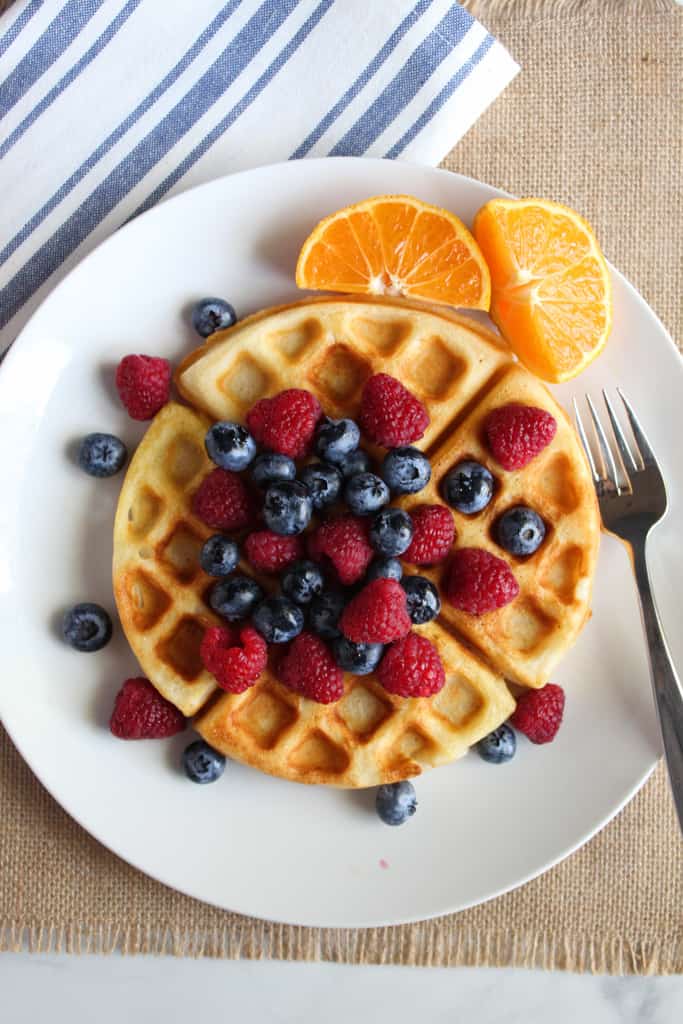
<point>616,470</point>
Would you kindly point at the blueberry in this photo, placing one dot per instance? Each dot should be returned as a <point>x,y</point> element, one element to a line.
<point>360,659</point>
<point>202,763</point>
<point>391,532</point>
<point>287,507</point>
<point>236,598</point>
<point>302,581</point>
<point>335,439</point>
<point>499,746</point>
<point>87,627</point>
<point>324,483</point>
<point>211,315</point>
<point>101,455</point>
<point>422,599</point>
<point>520,531</point>
<point>354,463</point>
<point>384,569</point>
<point>219,556</point>
<point>230,445</point>
<point>270,468</point>
<point>366,493</point>
<point>325,612</point>
<point>406,470</point>
<point>468,487</point>
<point>278,620</point>
<point>396,802</point>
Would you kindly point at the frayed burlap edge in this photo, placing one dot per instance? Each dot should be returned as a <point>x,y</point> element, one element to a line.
<point>565,8</point>
<point>422,945</point>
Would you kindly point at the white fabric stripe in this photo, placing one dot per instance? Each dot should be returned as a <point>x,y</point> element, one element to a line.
<point>33,31</point>
<point>231,96</point>
<point>466,106</point>
<point>384,76</point>
<point>146,48</point>
<point>460,53</point>
<point>112,109</point>
<point>140,192</point>
<point>247,144</point>
<point>70,56</point>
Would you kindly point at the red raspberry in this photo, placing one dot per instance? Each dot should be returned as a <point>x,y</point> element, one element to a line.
<point>222,501</point>
<point>308,668</point>
<point>539,713</point>
<point>478,582</point>
<point>143,384</point>
<point>389,414</point>
<point>517,433</point>
<point>286,422</point>
<point>141,713</point>
<point>412,667</point>
<point>433,535</point>
<point>235,667</point>
<point>345,542</point>
<point>377,614</point>
<point>269,552</point>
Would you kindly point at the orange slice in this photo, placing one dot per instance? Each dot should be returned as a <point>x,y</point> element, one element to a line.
<point>551,295</point>
<point>396,245</point>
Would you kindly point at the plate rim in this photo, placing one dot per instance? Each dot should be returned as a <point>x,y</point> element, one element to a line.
<point>15,353</point>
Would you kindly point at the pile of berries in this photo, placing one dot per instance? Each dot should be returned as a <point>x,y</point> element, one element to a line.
<point>344,603</point>
<point>310,507</point>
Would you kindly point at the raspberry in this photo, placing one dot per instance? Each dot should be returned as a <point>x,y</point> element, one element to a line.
<point>345,542</point>
<point>286,422</point>
<point>269,552</point>
<point>235,658</point>
<point>308,668</point>
<point>539,713</point>
<point>412,667</point>
<point>222,501</point>
<point>389,414</point>
<point>433,535</point>
<point>479,582</point>
<point>143,384</point>
<point>517,433</point>
<point>141,713</point>
<point>376,615</point>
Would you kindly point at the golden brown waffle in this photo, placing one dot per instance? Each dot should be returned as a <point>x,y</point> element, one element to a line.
<point>527,638</point>
<point>366,738</point>
<point>330,346</point>
<point>158,584</point>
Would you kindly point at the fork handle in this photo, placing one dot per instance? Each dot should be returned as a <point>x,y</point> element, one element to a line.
<point>665,683</point>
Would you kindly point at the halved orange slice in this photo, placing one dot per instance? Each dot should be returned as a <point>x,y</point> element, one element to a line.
<point>551,295</point>
<point>396,245</point>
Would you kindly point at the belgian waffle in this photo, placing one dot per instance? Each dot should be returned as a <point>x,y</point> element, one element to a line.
<point>366,738</point>
<point>331,346</point>
<point>527,638</point>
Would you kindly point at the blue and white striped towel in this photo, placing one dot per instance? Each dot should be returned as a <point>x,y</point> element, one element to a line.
<point>108,106</point>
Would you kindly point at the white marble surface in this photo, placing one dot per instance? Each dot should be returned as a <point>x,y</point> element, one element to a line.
<point>82,990</point>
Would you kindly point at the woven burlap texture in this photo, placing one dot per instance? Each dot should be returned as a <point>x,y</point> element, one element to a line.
<point>594,119</point>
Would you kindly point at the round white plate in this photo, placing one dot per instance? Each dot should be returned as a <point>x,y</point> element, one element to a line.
<point>251,843</point>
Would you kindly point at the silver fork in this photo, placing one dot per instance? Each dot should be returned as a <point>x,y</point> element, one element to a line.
<point>632,498</point>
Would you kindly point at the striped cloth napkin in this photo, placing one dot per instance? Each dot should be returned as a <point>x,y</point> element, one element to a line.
<point>108,106</point>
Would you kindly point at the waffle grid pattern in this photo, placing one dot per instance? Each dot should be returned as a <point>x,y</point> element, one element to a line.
<point>369,736</point>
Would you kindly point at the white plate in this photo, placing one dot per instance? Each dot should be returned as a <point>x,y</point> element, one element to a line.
<point>252,843</point>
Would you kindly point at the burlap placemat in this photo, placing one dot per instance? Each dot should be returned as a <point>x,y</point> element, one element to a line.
<point>595,120</point>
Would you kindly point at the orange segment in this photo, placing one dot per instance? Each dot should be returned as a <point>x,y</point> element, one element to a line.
<point>551,295</point>
<point>396,245</point>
